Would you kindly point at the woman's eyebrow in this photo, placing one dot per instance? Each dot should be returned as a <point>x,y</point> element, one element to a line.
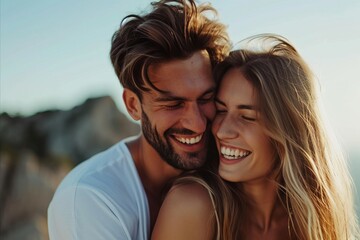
<point>245,106</point>
<point>240,106</point>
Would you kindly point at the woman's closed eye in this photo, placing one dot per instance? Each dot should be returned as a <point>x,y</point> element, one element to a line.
<point>248,118</point>
<point>221,111</point>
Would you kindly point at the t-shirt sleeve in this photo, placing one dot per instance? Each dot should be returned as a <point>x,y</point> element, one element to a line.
<point>78,213</point>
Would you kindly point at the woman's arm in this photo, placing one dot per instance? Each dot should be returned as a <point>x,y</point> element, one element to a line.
<point>186,213</point>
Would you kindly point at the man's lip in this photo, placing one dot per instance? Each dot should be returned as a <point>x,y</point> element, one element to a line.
<point>188,147</point>
<point>189,140</point>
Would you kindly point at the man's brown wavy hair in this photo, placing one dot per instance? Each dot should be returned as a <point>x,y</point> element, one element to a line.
<point>174,29</point>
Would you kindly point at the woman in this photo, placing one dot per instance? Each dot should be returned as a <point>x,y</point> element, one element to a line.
<point>283,177</point>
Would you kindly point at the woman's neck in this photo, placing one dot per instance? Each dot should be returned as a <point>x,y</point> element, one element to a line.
<point>265,207</point>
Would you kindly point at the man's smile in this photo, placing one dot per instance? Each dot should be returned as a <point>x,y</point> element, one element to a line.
<point>189,140</point>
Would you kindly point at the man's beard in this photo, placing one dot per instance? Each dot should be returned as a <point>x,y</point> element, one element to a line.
<point>186,161</point>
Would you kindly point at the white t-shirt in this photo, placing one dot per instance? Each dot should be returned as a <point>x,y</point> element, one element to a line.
<point>102,198</point>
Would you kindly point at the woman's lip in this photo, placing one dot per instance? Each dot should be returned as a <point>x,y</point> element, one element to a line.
<point>232,153</point>
<point>232,146</point>
<point>231,161</point>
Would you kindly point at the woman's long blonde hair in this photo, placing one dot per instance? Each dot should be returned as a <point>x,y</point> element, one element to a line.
<point>314,183</point>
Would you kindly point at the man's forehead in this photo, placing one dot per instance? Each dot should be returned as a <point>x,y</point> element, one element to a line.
<point>165,96</point>
<point>188,78</point>
<point>163,69</point>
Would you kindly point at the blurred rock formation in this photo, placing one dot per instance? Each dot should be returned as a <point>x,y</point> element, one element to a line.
<point>36,152</point>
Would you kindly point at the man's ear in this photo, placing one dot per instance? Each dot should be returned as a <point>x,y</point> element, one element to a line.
<point>132,103</point>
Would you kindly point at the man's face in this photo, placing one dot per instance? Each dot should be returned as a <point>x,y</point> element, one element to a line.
<point>177,123</point>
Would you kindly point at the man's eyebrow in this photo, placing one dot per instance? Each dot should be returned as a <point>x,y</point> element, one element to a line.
<point>167,97</point>
<point>210,90</point>
<point>240,107</point>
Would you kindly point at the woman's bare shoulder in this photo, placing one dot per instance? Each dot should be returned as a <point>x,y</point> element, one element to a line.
<point>186,213</point>
<point>193,194</point>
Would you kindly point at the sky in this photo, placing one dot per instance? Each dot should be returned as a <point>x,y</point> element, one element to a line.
<point>55,53</point>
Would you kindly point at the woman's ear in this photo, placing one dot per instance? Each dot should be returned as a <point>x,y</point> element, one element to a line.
<point>132,103</point>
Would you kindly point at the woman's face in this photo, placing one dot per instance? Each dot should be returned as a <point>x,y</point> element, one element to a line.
<point>245,151</point>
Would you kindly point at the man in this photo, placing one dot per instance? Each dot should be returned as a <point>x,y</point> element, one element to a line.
<point>164,61</point>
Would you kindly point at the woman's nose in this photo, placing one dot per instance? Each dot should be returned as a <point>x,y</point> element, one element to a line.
<point>226,128</point>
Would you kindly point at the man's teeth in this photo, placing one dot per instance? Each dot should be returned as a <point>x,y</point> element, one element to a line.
<point>192,140</point>
<point>231,153</point>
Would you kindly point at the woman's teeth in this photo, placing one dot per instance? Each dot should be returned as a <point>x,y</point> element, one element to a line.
<point>231,153</point>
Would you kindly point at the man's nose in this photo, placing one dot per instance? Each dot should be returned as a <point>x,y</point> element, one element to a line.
<point>194,119</point>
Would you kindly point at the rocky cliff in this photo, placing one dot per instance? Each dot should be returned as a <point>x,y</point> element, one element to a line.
<point>36,152</point>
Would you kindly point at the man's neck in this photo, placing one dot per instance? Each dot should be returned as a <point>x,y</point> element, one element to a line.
<point>154,172</point>
<point>152,169</point>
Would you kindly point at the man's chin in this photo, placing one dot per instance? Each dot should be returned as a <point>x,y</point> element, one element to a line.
<point>191,161</point>
<point>190,156</point>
